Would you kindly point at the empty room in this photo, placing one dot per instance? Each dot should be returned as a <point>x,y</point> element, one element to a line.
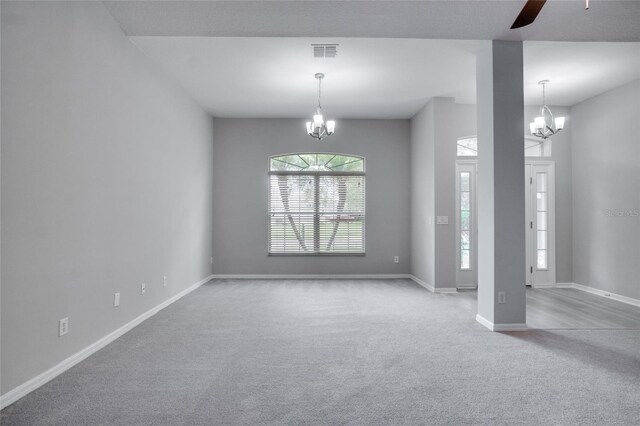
<point>320,212</point>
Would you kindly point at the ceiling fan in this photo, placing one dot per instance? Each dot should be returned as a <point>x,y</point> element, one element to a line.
<point>530,11</point>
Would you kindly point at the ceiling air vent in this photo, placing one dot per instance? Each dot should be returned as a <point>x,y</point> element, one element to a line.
<point>325,50</point>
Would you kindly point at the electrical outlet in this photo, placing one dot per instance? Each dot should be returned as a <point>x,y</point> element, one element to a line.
<point>164,281</point>
<point>143,288</point>
<point>116,299</point>
<point>502,297</point>
<point>63,327</point>
<point>396,259</point>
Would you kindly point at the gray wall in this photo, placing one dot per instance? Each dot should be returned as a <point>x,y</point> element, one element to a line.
<point>606,191</point>
<point>433,190</point>
<point>241,151</point>
<point>445,197</point>
<point>423,194</point>
<point>434,130</point>
<point>466,122</point>
<point>106,183</point>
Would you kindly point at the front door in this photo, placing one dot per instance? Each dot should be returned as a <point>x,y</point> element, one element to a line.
<point>540,224</point>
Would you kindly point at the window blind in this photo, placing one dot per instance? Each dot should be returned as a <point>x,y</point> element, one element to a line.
<point>316,212</point>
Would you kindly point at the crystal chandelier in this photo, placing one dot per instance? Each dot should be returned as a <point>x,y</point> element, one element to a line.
<point>319,128</point>
<point>545,125</point>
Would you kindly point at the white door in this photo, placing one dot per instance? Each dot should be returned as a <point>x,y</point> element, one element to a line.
<point>540,224</point>
<point>540,212</point>
<point>466,229</point>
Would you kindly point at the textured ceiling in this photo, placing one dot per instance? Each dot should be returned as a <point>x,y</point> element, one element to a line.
<point>559,20</point>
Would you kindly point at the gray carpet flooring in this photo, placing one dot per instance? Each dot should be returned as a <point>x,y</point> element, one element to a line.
<point>357,352</point>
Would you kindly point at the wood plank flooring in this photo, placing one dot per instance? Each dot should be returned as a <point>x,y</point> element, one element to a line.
<point>564,308</point>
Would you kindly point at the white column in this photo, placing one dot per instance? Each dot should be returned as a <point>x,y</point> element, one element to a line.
<point>501,203</point>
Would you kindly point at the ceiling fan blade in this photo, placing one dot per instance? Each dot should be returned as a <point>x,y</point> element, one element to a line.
<point>528,13</point>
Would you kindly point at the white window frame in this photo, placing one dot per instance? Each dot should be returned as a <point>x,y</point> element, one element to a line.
<point>458,144</point>
<point>543,146</point>
<point>316,176</point>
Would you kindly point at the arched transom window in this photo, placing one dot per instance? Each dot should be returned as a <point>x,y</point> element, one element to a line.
<point>316,204</point>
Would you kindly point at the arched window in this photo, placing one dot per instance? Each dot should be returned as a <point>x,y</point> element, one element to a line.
<point>468,147</point>
<point>533,147</point>
<point>316,204</point>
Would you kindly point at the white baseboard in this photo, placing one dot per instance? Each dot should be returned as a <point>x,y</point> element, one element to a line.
<point>335,277</point>
<point>607,294</point>
<point>501,327</point>
<point>463,287</point>
<point>603,293</point>
<point>422,283</point>
<point>564,285</point>
<point>33,384</point>
<point>431,288</point>
<point>310,276</point>
<point>445,289</point>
